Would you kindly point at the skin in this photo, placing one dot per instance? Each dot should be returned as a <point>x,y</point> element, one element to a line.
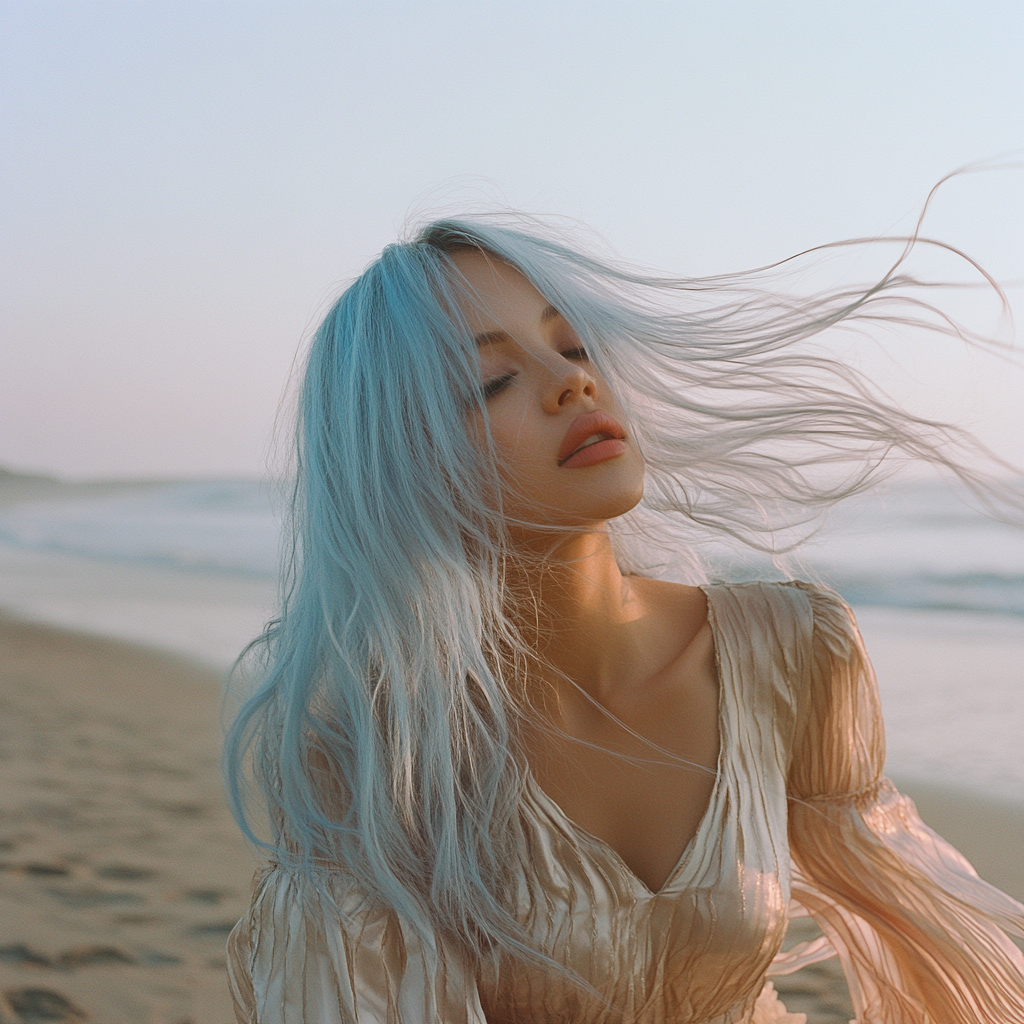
<point>641,651</point>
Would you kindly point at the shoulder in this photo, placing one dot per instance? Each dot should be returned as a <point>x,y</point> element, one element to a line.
<point>673,616</point>
<point>781,638</point>
<point>674,633</point>
<point>675,599</point>
<point>793,610</point>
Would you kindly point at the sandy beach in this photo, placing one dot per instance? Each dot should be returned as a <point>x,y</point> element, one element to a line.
<point>121,871</point>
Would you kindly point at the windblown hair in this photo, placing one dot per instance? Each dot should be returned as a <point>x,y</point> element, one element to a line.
<point>381,737</point>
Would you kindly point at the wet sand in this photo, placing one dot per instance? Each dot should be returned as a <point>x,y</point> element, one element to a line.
<point>121,871</point>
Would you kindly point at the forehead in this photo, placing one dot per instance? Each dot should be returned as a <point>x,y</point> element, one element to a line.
<point>499,296</point>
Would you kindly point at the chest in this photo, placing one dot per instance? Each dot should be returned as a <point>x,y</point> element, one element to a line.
<point>639,777</point>
<point>647,813</point>
<point>697,947</point>
<point>689,952</point>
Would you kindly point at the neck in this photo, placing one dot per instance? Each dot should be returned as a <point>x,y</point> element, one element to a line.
<point>578,611</point>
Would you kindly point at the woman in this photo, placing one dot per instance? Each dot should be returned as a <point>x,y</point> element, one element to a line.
<point>510,774</point>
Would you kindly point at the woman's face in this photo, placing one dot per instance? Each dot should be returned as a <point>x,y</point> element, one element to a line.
<point>565,453</point>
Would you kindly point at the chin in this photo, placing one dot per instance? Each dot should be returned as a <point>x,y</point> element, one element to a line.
<point>589,501</point>
<point>615,506</point>
<point>611,495</point>
<point>612,503</point>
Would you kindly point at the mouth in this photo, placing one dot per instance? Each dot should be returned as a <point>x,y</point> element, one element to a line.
<point>591,438</point>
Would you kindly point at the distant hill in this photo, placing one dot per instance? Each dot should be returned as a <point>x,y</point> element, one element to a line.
<point>9,476</point>
<point>16,486</point>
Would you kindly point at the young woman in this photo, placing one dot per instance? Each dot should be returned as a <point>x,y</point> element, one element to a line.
<point>507,772</point>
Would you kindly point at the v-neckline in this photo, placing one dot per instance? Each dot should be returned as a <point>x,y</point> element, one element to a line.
<point>558,814</point>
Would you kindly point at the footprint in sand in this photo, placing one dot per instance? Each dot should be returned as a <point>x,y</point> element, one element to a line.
<point>204,897</point>
<point>125,873</point>
<point>36,1005</point>
<point>22,955</point>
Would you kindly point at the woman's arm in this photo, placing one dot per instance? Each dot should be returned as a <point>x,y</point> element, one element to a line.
<point>921,937</point>
<point>312,949</point>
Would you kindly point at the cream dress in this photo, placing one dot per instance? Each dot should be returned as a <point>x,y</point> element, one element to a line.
<point>800,821</point>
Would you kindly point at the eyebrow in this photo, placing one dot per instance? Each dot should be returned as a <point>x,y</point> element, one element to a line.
<point>547,314</point>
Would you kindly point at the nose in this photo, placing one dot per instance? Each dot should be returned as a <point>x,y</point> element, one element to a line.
<point>568,381</point>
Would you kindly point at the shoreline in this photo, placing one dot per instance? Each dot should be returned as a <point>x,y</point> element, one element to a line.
<point>207,615</point>
<point>122,871</point>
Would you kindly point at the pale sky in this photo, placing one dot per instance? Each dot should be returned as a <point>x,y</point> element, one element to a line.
<point>186,184</point>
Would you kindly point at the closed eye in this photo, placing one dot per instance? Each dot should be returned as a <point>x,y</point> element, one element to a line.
<point>494,387</point>
<point>575,353</point>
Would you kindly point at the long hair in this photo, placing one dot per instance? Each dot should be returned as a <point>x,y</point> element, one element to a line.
<point>382,734</point>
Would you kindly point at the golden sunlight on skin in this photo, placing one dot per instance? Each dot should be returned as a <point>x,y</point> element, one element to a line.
<point>626,664</point>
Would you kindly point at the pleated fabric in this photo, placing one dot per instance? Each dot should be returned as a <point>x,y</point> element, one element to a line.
<point>801,820</point>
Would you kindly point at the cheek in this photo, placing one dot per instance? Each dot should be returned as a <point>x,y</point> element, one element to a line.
<point>510,429</point>
<point>516,452</point>
<point>522,468</point>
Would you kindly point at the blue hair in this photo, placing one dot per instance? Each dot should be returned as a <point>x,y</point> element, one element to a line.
<point>382,734</point>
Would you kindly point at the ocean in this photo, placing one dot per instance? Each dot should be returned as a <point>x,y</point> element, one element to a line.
<point>912,546</point>
<point>193,565</point>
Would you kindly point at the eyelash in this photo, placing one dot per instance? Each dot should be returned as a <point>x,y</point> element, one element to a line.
<point>496,386</point>
<point>575,353</point>
<point>493,387</point>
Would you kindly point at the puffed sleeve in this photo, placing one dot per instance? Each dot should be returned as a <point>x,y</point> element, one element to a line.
<point>312,950</point>
<point>921,937</point>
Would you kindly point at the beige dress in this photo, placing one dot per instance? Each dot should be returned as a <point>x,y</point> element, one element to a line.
<point>801,820</point>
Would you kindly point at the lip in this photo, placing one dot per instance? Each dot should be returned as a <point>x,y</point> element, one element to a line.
<point>586,425</point>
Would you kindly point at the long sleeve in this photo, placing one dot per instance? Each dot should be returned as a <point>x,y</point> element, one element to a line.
<point>922,939</point>
<point>314,950</point>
